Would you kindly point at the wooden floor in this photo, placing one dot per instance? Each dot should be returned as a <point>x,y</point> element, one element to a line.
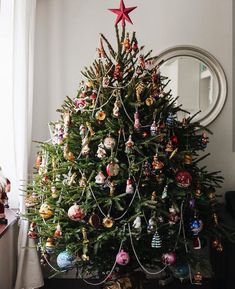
<point>78,284</point>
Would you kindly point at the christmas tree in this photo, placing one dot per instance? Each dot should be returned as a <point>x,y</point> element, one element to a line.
<point>119,187</point>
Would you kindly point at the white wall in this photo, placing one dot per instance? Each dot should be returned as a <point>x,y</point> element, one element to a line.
<point>67,37</point>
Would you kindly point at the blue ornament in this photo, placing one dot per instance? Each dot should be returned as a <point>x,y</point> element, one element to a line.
<point>195,226</point>
<point>181,271</point>
<point>170,120</point>
<point>65,260</point>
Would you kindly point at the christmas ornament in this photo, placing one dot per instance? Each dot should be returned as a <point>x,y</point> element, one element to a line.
<point>54,192</point>
<point>137,124</point>
<point>146,170</point>
<point>80,103</point>
<point>164,193</point>
<point>152,225</point>
<point>91,131</point>
<point>85,146</point>
<point>135,46</point>
<point>157,164</point>
<point>38,161</point>
<point>174,140</point>
<point>170,120</point>
<point>126,43</point>
<point>169,147</point>
<point>149,101</point>
<point>129,145</point>
<point>122,258</point>
<point>188,159</point>
<point>181,271</point>
<point>197,278</point>
<point>101,51</point>
<point>58,231</point>
<point>129,186</point>
<point>100,178</point>
<point>198,191</point>
<point>94,220</point>
<point>183,179</point>
<point>45,211</point>
<point>117,72</point>
<point>173,217</point>
<point>116,108</point>
<point>82,131</point>
<point>137,224</point>
<point>83,181</point>
<point>66,260</point>
<point>142,62</point>
<point>154,196</point>
<point>44,258</point>
<point>216,244</point>
<point>192,203</point>
<point>85,242</point>
<point>50,246</point>
<point>93,97</point>
<point>112,169</point>
<point>153,129</point>
<point>195,226</point>
<point>108,222</point>
<point>32,234</point>
<point>31,200</point>
<point>169,258</point>
<point>76,213</point>
<point>122,13</point>
<point>101,152</point>
<point>156,241</point>
<point>105,81</point>
<point>109,142</point>
<point>100,115</point>
<point>139,89</point>
<point>111,189</point>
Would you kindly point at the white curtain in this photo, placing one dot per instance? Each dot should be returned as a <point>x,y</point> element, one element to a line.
<point>29,273</point>
<point>16,98</point>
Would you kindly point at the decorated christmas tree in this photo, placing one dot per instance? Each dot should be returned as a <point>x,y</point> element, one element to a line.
<point>120,187</point>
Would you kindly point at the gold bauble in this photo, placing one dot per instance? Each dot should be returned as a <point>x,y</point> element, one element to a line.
<point>100,115</point>
<point>108,222</point>
<point>45,211</point>
<point>188,159</point>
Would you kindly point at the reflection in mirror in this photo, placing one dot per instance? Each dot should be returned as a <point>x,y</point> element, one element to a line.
<point>197,79</point>
<point>193,82</point>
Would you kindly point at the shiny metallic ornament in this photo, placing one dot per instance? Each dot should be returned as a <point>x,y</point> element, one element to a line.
<point>100,115</point>
<point>112,169</point>
<point>108,222</point>
<point>94,220</point>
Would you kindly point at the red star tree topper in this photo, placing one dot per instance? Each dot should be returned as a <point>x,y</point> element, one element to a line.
<point>122,13</point>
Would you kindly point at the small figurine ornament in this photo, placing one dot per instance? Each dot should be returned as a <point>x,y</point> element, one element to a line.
<point>50,246</point>
<point>82,131</point>
<point>129,186</point>
<point>67,119</point>
<point>152,225</point>
<point>105,81</point>
<point>157,164</point>
<point>153,129</point>
<point>126,43</point>
<point>101,152</point>
<point>100,178</point>
<point>137,124</point>
<point>116,108</point>
<point>169,258</point>
<point>32,234</point>
<point>83,181</point>
<point>85,146</point>
<point>58,231</point>
<point>173,217</point>
<point>129,145</point>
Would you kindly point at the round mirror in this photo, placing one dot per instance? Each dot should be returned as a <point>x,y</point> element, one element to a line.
<point>197,78</point>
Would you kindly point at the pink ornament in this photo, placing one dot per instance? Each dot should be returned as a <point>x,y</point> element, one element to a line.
<point>183,179</point>
<point>122,258</point>
<point>169,258</point>
<point>75,213</point>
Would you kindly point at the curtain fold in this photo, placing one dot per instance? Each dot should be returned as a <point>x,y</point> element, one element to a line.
<point>29,273</point>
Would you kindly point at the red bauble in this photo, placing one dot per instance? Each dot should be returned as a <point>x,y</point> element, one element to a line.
<point>183,179</point>
<point>174,140</point>
<point>75,213</point>
<point>169,258</point>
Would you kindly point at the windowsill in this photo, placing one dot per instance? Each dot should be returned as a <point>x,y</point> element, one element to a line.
<point>11,218</point>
